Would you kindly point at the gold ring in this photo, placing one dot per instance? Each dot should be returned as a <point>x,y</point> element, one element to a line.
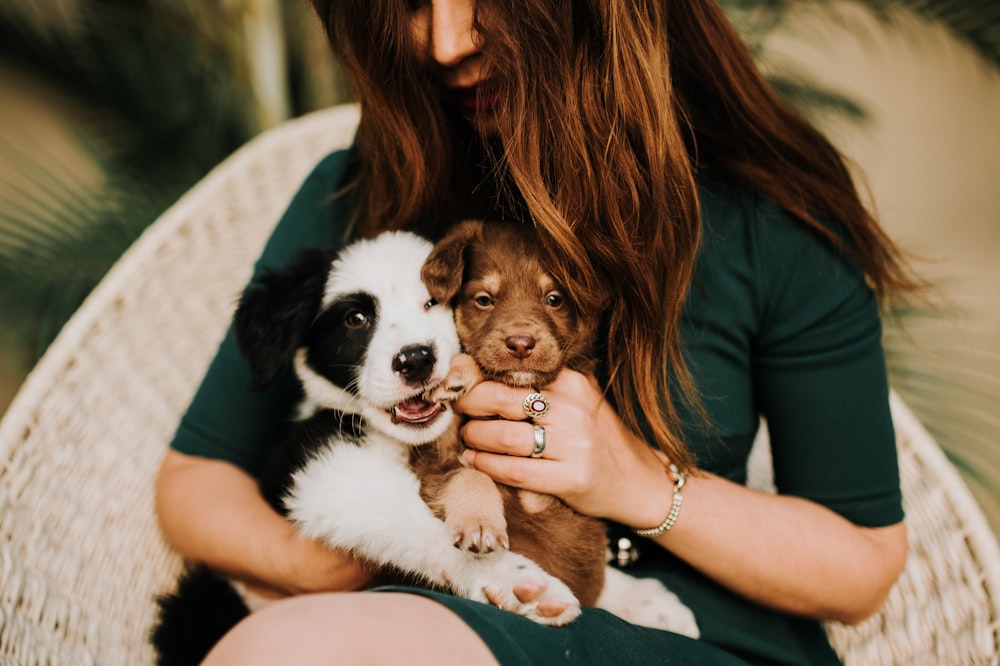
<point>535,405</point>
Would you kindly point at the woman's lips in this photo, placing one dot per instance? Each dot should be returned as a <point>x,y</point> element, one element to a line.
<point>476,98</point>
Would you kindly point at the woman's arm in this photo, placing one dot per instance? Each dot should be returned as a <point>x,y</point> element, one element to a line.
<point>782,551</point>
<point>213,513</point>
<point>786,552</point>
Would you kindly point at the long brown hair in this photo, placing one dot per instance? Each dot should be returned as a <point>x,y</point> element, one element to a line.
<point>611,110</point>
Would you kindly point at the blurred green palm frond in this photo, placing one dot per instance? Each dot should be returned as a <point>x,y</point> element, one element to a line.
<point>120,108</point>
<point>975,22</point>
<point>58,240</point>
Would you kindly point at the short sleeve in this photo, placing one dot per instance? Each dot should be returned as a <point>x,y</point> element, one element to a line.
<point>226,420</point>
<point>819,373</point>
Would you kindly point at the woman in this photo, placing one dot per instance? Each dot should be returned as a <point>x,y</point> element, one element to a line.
<point>745,279</point>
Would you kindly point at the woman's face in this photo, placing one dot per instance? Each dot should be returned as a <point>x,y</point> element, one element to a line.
<point>447,40</point>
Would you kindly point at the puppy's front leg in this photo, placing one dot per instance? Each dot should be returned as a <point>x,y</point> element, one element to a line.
<point>467,500</point>
<point>471,506</point>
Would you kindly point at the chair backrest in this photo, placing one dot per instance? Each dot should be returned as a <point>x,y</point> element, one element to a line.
<point>81,557</point>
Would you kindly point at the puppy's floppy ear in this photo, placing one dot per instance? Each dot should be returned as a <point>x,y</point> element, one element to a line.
<point>276,311</point>
<point>444,268</point>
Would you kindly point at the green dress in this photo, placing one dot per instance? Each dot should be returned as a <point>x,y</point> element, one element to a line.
<point>778,324</point>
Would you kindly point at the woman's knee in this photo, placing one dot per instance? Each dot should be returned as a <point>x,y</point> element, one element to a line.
<point>369,628</point>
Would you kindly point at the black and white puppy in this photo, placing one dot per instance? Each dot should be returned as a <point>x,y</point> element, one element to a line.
<point>367,343</point>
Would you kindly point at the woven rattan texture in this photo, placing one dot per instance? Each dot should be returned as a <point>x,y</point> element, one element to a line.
<point>81,557</point>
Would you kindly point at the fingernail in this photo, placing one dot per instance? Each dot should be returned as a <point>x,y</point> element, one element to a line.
<point>468,457</point>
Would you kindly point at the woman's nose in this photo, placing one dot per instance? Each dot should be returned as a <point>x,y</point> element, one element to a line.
<point>453,35</point>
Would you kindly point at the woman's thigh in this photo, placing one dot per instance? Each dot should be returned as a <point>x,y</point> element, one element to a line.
<point>346,628</point>
<point>416,626</point>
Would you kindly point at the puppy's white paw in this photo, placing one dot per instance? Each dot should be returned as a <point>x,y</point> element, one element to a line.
<point>515,583</point>
<point>646,602</point>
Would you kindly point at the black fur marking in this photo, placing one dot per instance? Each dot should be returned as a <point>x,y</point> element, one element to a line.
<point>194,618</point>
<point>339,338</point>
<point>276,311</point>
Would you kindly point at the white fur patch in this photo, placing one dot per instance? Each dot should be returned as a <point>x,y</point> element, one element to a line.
<point>646,602</point>
<point>366,499</point>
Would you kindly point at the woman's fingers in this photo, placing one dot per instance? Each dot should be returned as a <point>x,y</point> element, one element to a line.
<point>512,438</point>
<point>495,400</point>
<point>540,475</point>
<point>571,395</point>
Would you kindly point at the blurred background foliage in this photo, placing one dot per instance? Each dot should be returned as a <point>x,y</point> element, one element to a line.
<point>111,110</point>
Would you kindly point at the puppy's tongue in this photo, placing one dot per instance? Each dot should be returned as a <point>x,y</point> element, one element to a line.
<point>416,411</point>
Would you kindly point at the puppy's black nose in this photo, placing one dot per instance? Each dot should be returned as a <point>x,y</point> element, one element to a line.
<point>520,346</point>
<point>415,363</point>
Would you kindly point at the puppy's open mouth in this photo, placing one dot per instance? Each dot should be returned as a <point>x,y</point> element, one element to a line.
<point>416,411</point>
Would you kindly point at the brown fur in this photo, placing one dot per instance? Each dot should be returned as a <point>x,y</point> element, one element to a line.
<point>518,327</point>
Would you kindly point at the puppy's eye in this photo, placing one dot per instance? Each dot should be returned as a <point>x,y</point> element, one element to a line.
<point>356,319</point>
<point>429,304</point>
<point>554,299</point>
<point>483,300</point>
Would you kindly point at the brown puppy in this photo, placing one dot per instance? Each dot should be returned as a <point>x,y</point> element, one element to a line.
<point>520,328</point>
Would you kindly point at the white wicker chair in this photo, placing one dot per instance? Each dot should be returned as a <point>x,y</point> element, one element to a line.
<point>81,557</point>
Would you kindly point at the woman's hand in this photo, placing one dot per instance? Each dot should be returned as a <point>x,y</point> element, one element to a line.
<point>213,513</point>
<point>591,460</point>
<point>781,551</point>
<point>310,566</point>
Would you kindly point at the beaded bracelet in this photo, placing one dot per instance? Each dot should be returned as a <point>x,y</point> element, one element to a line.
<point>680,478</point>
